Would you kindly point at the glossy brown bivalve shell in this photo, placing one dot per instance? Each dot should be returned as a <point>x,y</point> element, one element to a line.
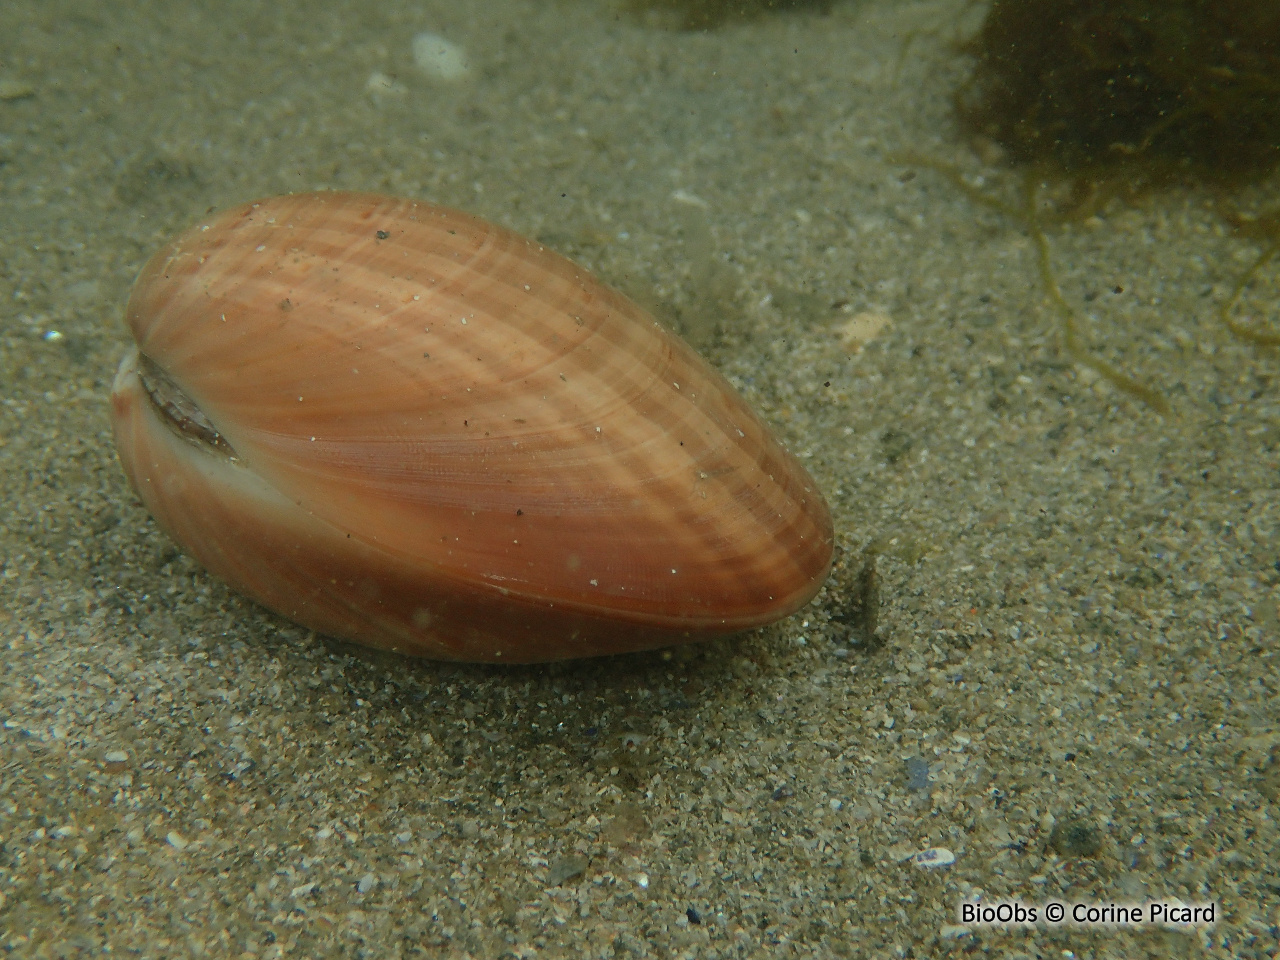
<point>399,424</point>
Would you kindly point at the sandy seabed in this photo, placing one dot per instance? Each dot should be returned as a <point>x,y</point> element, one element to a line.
<point>1071,688</point>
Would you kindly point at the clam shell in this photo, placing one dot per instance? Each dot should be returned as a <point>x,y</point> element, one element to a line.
<point>396,423</point>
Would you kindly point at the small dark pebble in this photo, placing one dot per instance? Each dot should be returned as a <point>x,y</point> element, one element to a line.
<point>917,775</point>
<point>693,915</point>
<point>783,792</point>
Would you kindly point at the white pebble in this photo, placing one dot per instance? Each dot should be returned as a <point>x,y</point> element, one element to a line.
<point>366,883</point>
<point>933,858</point>
<point>16,90</point>
<point>439,58</point>
<point>380,84</point>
